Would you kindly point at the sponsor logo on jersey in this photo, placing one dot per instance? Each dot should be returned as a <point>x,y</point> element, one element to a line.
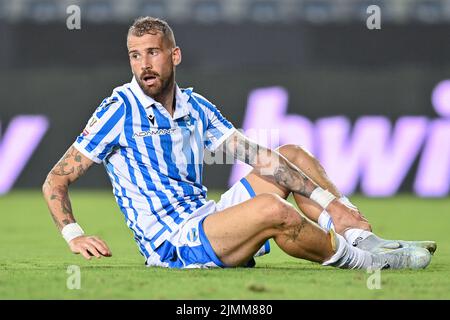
<point>151,117</point>
<point>153,132</point>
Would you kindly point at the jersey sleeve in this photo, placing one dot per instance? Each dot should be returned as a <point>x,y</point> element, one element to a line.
<point>102,131</point>
<point>218,128</point>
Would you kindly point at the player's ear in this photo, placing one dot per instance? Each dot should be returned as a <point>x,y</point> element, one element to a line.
<point>176,56</point>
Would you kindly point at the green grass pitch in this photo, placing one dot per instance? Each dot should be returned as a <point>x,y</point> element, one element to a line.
<point>34,258</point>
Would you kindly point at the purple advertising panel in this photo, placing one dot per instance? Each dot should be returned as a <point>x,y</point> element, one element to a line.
<point>373,151</point>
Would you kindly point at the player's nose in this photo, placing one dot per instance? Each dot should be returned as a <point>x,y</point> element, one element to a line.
<point>146,63</point>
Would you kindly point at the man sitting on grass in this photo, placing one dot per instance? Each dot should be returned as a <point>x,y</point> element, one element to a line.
<point>151,135</point>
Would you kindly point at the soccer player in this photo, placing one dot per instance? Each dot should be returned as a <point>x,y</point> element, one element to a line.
<point>151,137</point>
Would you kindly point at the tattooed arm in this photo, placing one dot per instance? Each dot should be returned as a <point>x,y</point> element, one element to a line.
<point>68,169</point>
<point>270,164</point>
<point>56,193</point>
<point>274,167</point>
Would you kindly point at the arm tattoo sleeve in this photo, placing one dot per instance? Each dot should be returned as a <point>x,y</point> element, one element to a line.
<point>63,168</point>
<point>270,165</point>
<point>69,168</point>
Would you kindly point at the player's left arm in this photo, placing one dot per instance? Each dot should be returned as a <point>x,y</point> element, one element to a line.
<point>272,166</point>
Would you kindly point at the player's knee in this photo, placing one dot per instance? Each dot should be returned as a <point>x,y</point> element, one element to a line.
<point>276,211</point>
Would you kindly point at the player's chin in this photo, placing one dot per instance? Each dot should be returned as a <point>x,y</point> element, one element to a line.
<point>151,89</point>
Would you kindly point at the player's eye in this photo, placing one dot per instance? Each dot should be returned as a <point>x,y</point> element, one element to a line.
<point>135,56</point>
<point>153,52</point>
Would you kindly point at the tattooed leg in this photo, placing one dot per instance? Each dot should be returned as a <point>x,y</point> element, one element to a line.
<point>237,232</point>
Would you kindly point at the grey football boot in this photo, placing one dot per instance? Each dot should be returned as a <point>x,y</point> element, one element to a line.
<point>376,244</point>
<point>402,258</point>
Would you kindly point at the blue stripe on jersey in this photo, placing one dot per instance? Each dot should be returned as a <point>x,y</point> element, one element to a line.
<point>112,121</point>
<point>108,148</point>
<point>195,105</point>
<point>214,131</point>
<point>187,151</point>
<point>201,155</point>
<point>170,210</point>
<point>142,192</point>
<point>198,202</point>
<point>201,113</point>
<point>142,249</point>
<point>167,155</point>
<point>80,139</point>
<point>134,181</point>
<point>188,91</point>
<point>104,105</point>
<point>166,140</point>
<point>143,170</point>
<point>173,171</point>
<point>216,112</point>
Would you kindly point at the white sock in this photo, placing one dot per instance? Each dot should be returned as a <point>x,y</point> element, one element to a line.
<point>354,236</point>
<point>348,257</point>
<point>325,221</point>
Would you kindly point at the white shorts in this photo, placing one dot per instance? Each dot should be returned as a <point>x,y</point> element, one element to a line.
<point>189,247</point>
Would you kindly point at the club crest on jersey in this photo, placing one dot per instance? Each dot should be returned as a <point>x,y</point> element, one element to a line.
<point>192,235</point>
<point>187,120</point>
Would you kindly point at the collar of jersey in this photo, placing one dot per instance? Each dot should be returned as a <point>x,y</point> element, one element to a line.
<point>181,98</point>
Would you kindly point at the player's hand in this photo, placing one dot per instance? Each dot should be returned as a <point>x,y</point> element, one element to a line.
<point>89,246</point>
<point>345,217</point>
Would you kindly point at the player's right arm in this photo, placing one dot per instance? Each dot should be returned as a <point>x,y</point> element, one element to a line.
<point>273,166</point>
<point>56,193</point>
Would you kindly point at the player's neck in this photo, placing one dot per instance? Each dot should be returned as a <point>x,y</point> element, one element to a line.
<point>167,99</point>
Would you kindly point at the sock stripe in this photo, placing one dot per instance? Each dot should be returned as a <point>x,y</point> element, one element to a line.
<point>329,224</point>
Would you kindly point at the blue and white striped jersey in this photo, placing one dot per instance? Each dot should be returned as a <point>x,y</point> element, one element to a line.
<point>154,160</point>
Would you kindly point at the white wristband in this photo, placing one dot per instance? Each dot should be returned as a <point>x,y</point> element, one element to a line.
<point>322,197</point>
<point>71,231</point>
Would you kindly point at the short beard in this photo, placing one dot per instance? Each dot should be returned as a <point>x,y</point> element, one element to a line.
<point>166,85</point>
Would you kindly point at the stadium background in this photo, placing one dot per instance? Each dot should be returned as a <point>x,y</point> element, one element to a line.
<point>319,52</point>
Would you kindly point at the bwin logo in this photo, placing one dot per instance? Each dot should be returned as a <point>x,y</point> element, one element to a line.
<point>372,152</point>
<point>192,235</point>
